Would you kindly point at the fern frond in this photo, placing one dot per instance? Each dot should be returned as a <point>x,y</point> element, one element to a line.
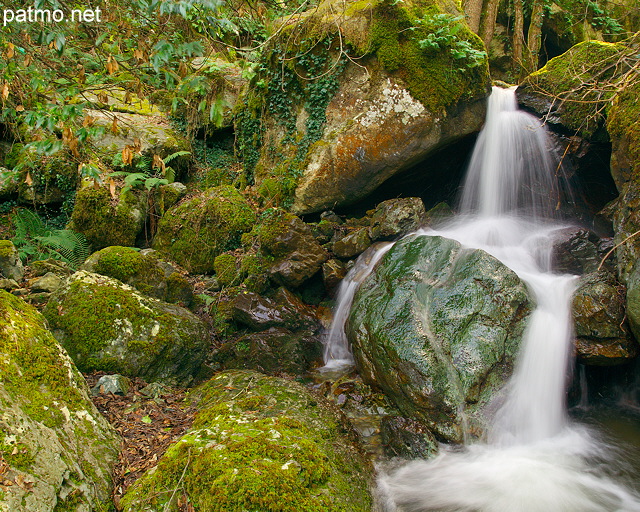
<point>175,155</point>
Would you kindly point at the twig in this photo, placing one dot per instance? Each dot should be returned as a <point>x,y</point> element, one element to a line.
<point>615,247</point>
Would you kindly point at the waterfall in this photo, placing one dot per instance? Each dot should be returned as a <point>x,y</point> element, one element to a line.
<point>534,459</point>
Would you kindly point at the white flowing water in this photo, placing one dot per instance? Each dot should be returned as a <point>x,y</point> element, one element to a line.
<point>534,458</point>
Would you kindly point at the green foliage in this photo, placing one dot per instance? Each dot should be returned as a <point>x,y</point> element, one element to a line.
<point>164,174</point>
<point>445,33</point>
<point>35,240</point>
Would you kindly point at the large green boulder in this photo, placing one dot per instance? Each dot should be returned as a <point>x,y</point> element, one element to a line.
<point>107,325</point>
<point>437,327</point>
<point>257,444</point>
<point>374,98</point>
<point>57,452</point>
<point>196,231</point>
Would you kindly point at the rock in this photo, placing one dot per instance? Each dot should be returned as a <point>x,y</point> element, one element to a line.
<point>8,284</point>
<point>9,183</point>
<point>273,351</point>
<point>167,196</point>
<point>155,390</point>
<point>48,283</point>
<point>333,272</point>
<point>599,316</point>
<point>397,217</point>
<point>116,384</point>
<point>105,222</point>
<point>331,141</point>
<point>407,438</point>
<point>109,326</point>
<point>565,91</point>
<point>143,270</point>
<point>258,443</point>
<point>353,244</point>
<point>296,254</point>
<point>437,328</point>
<point>196,231</point>
<point>57,451</point>
<point>42,267</point>
<point>576,251</point>
<point>10,264</point>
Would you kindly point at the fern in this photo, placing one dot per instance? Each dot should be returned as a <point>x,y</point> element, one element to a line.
<point>36,241</point>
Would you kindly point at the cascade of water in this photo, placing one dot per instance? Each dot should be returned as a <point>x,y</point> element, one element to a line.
<point>535,460</point>
<point>337,353</point>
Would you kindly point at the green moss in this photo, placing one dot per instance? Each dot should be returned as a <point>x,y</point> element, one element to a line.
<point>197,231</point>
<point>258,444</point>
<point>16,454</point>
<point>7,249</point>
<point>573,82</point>
<point>226,269</point>
<point>623,123</point>
<point>119,262</point>
<point>102,222</point>
<point>32,371</point>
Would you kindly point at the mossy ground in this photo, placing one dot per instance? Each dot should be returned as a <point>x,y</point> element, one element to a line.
<point>258,444</point>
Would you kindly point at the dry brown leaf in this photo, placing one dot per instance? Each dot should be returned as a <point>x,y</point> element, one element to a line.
<point>158,163</point>
<point>19,108</point>
<point>28,180</point>
<point>114,126</point>
<point>5,91</point>
<point>27,60</point>
<point>88,121</point>
<point>10,50</point>
<point>127,155</point>
<point>103,98</point>
<point>112,188</point>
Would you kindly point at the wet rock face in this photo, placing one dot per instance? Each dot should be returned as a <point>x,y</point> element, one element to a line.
<point>57,452</point>
<point>602,335</point>
<point>258,443</point>
<point>407,438</point>
<point>107,325</point>
<point>437,327</point>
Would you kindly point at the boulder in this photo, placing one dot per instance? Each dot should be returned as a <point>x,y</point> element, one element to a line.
<point>109,326</point>
<point>10,264</point>
<point>437,328</point>
<point>57,452</point>
<point>194,232</point>
<point>602,336</point>
<point>356,242</point>
<point>373,103</point>
<point>397,217</point>
<point>258,443</point>
<point>406,438</point>
<point>577,251</point>
<point>284,310</point>
<point>296,255</point>
<point>143,270</point>
<point>105,221</point>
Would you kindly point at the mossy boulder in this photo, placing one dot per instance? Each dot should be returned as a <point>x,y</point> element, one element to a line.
<point>106,221</point>
<point>258,444</point>
<point>194,232</point>
<point>143,270</point>
<point>570,90</point>
<point>293,254</point>
<point>602,333</point>
<point>437,328</point>
<point>107,325</point>
<point>373,101</point>
<point>10,264</point>
<point>57,452</point>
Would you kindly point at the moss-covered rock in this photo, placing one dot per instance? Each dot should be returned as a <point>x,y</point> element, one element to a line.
<point>107,325</point>
<point>437,328</point>
<point>258,444</point>
<point>143,270</point>
<point>373,101</point>
<point>105,221</point>
<point>196,231</point>
<point>570,90</point>
<point>288,244</point>
<point>10,264</point>
<point>57,452</point>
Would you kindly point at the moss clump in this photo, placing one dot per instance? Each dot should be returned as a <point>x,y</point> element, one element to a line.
<point>198,230</point>
<point>574,84</point>
<point>258,444</point>
<point>104,223</point>
<point>118,262</point>
<point>226,269</point>
<point>623,123</point>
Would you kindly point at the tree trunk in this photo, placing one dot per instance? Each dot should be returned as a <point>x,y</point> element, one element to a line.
<point>473,12</point>
<point>518,36</point>
<point>534,38</point>
<point>489,21</point>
